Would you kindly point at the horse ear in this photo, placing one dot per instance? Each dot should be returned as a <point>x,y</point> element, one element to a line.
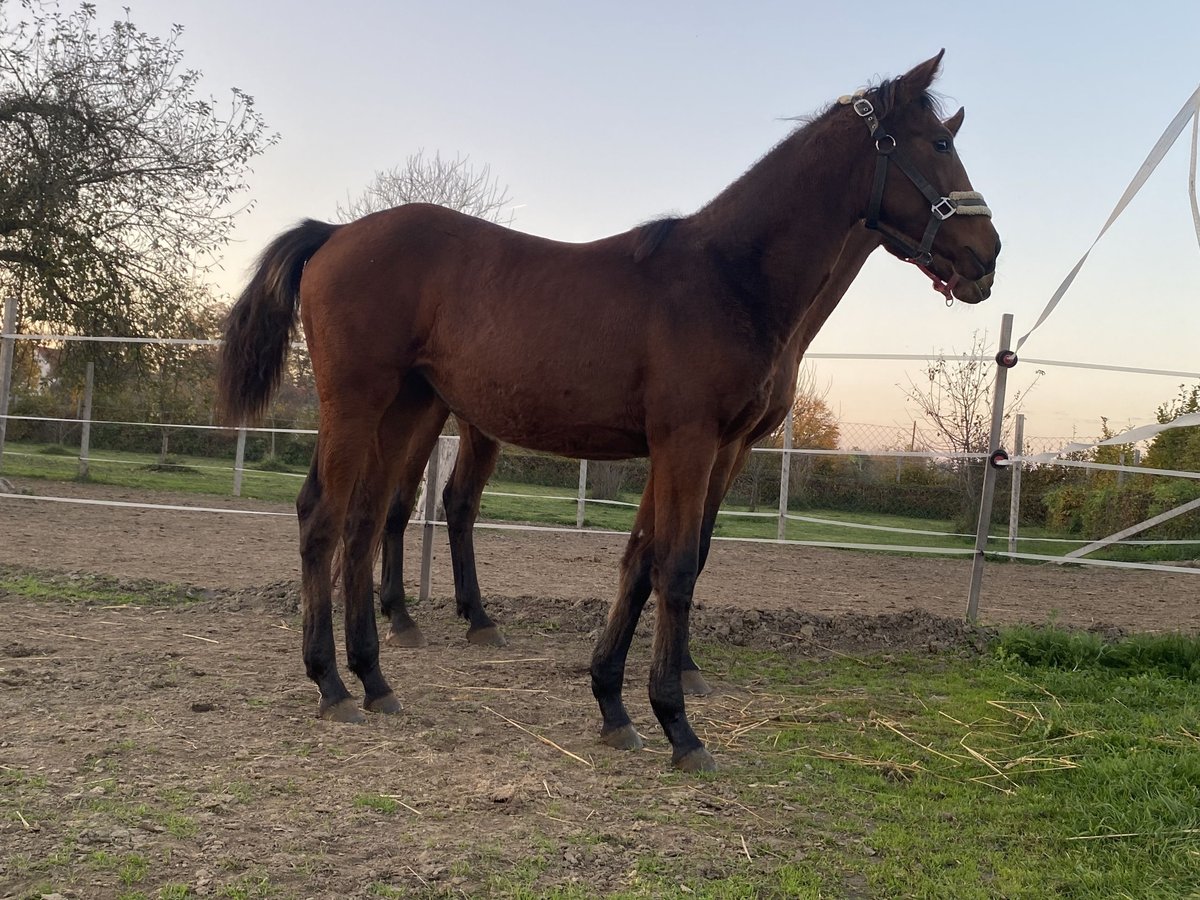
<point>955,121</point>
<point>915,82</point>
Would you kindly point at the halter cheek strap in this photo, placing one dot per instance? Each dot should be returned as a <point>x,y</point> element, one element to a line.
<point>941,207</point>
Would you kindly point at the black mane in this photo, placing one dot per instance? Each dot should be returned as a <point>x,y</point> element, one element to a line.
<point>649,236</point>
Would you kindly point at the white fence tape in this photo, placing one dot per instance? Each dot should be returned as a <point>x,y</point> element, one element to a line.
<point>840,545</point>
<point>1132,436</point>
<point>1189,111</point>
<point>128,504</point>
<point>163,425</point>
<point>138,462</point>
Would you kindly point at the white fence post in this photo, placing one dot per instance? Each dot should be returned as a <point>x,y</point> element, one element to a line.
<point>785,476</point>
<point>1014,501</point>
<point>8,348</point>
<point>429,516</point>
<point>85,436</point>
<point>989,472</point>
<point>239,461</point>
<point>581,503</point>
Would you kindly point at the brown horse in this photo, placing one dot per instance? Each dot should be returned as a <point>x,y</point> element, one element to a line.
<point>597,350</point>
<point>477,458</point>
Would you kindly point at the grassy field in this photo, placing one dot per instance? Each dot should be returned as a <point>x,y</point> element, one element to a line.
<point>543,505</point>
<point>1058,766</point>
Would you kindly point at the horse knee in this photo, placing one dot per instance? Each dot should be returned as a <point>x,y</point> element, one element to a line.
<point>398,514</point>
<point>318,537</point>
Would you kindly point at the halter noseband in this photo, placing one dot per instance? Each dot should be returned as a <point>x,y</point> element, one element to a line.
<point>964,203</point>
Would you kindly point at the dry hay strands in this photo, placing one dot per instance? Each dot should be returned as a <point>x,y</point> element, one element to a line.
<point>542,738</point>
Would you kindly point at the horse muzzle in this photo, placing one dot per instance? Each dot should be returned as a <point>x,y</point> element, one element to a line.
<point>974,291</point>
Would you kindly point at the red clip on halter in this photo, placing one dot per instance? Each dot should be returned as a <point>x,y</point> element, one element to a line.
<point>941,207</point>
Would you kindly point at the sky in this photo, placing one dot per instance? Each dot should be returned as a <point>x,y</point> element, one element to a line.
<point>600,116</point>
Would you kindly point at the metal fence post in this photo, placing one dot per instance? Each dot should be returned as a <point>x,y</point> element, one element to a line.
<point>989,473</point>
<point>429,516</point>
<point>8,348</point>
<point>785,475</point>
<point>581,503</point>
<point>85,431</point>
<point>1014,500</point>
<point>239,461</point>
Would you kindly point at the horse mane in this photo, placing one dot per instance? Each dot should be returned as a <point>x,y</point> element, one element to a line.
<point>884,97</point>
<point>649,236</point>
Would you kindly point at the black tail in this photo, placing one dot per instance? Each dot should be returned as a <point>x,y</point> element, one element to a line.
<point>260,325</point>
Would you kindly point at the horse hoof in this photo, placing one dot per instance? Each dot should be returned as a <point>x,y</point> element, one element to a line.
<point>343,711</point>
<point>698,760</point>
<point>389,703</point>
<point>623,738</point>
<point>694,684</point>
<point>489,636</point>
<point>410,637</point>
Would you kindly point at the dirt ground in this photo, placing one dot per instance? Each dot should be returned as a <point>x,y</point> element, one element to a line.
<point>144,748</point>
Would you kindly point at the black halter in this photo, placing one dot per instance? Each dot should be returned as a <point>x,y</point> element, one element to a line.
<point>940,207</point>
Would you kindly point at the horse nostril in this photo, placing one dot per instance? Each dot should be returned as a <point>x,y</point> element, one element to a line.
<point>984,268</point>
<point>997,246</point>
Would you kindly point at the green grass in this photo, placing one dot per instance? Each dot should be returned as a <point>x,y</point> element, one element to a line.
<point>201,475</point>
<point>273,480</point>
<point>92,589</point>
<point>376,802</point>
<point>1052,767</point>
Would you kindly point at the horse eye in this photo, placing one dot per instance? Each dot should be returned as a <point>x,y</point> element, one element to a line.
<point>943,145</point>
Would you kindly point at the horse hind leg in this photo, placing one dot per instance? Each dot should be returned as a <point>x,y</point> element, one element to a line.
<point>322,505</point>
<point>363,524</point>
<point>403,631</point>
<point>477,454</point>
<point>407,435</point>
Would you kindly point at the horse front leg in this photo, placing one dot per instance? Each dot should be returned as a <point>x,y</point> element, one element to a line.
<point>729,462</point>
<point>608,659</point>
<point>682,467</point>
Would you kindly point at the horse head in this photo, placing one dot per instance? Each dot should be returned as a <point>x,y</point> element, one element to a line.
<point>926,210</point>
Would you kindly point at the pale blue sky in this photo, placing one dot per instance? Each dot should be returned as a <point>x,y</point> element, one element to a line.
<point>599,116</point>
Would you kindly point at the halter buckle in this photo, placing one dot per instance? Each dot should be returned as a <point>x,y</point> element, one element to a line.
<point>863,107</point>
<point>944,208</point>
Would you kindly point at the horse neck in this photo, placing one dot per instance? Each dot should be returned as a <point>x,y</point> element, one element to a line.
<point>860,244</point>
<point>781,228</point>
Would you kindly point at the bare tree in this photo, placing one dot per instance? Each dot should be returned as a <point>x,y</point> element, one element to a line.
<point>453,183</point>
<point>119,180</point>
<point>955,397</point>
<point>814,424</point>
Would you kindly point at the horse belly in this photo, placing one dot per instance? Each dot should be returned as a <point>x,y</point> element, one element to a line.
<point>541,414</point>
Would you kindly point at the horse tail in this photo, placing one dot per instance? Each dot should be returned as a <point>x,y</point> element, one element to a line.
<point>260,325</point>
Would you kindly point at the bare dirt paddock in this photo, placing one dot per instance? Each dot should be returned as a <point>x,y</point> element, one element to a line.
<point>144,748</point>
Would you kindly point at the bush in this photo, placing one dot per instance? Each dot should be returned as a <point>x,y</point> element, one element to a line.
<point>1064,507</point>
